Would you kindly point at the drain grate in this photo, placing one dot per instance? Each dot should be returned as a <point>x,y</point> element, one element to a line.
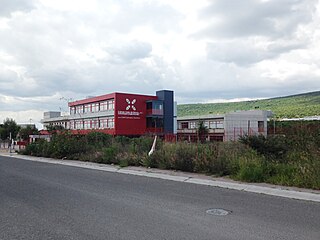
<point>218,212</point>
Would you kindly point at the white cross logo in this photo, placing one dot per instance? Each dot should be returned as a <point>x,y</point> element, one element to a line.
<point>131,104</point>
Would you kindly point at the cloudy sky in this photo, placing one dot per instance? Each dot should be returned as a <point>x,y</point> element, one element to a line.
<point>52,51</point>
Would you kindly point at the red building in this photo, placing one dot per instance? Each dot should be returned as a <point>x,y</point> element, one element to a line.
<point>118,114</point>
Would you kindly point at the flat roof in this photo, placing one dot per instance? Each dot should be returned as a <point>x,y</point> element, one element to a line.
<point>200,117</point>
<point>217,116</point>
<point>104,97</point>
<point>92,99</point>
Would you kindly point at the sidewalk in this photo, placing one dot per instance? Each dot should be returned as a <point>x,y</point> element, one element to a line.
<point>6,150</point>
<point>201,179</point>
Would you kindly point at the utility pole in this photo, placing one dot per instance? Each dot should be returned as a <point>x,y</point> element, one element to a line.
<point>10,138</point>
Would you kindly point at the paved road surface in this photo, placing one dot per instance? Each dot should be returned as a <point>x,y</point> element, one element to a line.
<point>47,201</point>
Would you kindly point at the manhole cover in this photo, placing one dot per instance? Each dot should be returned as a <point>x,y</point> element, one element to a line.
<point>218,212</point>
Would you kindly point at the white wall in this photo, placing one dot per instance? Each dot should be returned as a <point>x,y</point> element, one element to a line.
<point>244,122</point>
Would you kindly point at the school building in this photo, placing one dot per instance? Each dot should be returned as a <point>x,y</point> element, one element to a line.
<point>119,114</point>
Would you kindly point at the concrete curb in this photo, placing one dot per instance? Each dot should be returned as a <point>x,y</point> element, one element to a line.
<point>276,191</point>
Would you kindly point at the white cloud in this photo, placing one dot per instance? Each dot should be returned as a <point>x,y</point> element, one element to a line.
<point>250,50</point>
<point>134,50</point>
<point>271,18</point>
<point>11,6</point>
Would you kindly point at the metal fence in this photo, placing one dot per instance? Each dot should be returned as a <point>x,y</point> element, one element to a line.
<point>7,145</point>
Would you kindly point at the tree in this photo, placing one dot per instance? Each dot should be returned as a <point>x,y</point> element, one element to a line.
<point>202,131</point>
<point>25,132</point>
<point>9,126</point>
<point>2,132</point>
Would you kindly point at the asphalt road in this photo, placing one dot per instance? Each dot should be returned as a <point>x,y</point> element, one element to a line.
<point>47,201</point>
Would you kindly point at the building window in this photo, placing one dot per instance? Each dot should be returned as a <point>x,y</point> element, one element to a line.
<point>103,106</point>
<point>111,104</point>
<point>184,125</point>
<point>87,124</point>
<point>218,124</point>
<point>103,123</point>
<point>79,124</point>
<point>72,124</point>
<point>95,124</point>
<point>87,108</point>
<point>79,109</point>
<point>260,126</point>
<point>106,123</point>
<point>95,107</point>
<point>72,110</point>
<point>111,123</point>
<point>192,125</point>
<point>155,107</point>
<point>154,123</point>
<point>107,105</point>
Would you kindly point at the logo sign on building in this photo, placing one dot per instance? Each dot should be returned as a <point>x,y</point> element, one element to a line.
<point>131,104</point>
<point>130,110</point>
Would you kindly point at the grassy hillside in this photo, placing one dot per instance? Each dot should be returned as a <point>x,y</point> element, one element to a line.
<point>301,105</point>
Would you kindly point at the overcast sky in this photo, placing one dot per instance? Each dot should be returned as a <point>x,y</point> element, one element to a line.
<point>206,51</point>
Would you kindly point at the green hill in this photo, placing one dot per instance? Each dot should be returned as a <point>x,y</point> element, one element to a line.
<point>301,105</point>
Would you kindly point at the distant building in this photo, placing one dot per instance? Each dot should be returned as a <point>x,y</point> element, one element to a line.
<point>224,127</point>
<point>119,114</point>
<point>25,125</point>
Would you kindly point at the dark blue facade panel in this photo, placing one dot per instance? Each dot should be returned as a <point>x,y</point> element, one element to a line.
<point>167,97</point>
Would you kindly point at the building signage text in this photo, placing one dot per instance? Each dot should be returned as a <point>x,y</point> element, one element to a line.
<point>128,113</point>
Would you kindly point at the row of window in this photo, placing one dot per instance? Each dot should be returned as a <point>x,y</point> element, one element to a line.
<point>101,123</point>
<point>93,107</point>
<point>63,124</point>
<point>216,124</point>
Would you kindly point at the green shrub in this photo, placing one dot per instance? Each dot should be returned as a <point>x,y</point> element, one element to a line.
<point>184,157</point>
<point>283,174</point>
<point>94,156</point>
<point>31,149</point>
<point>272,147</point>
<point>206,156</point>
<point>220,158</point>
<point>123,140</point>
<point>251,172</point>
<point>142,145</point>
<point>179,156</point>
<point>109,155</point>
<point>128,159</point>
<point>98,139</point>
<point>159,159</point>
<point>66,145</point>
<point>123,162</point>
<point>150,162</point>
<point>225,161</point>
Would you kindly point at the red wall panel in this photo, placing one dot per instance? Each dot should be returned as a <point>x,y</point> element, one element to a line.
<point>130,113</point>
